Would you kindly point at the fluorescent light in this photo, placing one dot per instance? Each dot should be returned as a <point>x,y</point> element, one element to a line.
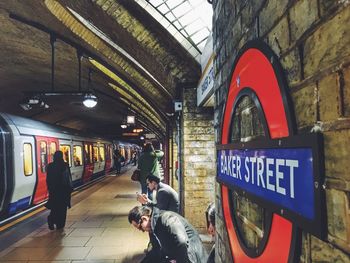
<point>25,106</point>
<point>130,119</point>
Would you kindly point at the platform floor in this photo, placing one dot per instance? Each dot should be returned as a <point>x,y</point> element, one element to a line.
<point>97,229</point>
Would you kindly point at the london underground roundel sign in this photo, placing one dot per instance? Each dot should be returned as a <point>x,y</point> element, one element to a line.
<point>282,173</point>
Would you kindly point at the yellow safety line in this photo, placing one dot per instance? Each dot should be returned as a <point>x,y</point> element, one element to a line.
<point>21,218</point>
<point>34,212</point>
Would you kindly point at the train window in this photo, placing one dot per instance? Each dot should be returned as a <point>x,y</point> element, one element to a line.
<point>107,152</point>
<point>66,153</point>
<point>52,149</point>
<point>102,153</point>
<point>77,155</point>
<point>87,154</point>
<point>122,151</point>
<point>27,159</point>
<point>95,154</point>
<point>90,153</point>
<point>43,156</point>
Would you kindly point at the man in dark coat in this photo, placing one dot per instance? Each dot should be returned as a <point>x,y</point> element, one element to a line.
<point>174,237</point>
<point>166,199</point>
<point>59,184</point>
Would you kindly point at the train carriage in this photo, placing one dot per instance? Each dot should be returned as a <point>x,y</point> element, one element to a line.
<point>27,147</point>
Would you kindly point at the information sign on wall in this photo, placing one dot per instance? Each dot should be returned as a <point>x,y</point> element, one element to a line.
<point>282,173</point>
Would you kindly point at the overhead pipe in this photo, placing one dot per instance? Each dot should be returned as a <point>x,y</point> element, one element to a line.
<point>179,168</point>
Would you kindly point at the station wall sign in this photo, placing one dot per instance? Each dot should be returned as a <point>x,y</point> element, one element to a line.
<point>205,88</point>
<point>283,172</point>
<point>150,135</point>
<point>281,175</point>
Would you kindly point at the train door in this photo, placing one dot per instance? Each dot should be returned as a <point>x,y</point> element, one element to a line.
<point>88,163</point>
<point>77,168</point>
<point>45,148</point>
<point>98,158</point>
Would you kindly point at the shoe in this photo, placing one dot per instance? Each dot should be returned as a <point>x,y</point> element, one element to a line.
<point>50,224</point>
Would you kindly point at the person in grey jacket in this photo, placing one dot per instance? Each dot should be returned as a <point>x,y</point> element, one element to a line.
<point>174,237</point>
<point>166,199</point>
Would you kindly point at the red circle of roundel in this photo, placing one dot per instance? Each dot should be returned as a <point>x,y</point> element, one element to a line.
<point>253,69</point>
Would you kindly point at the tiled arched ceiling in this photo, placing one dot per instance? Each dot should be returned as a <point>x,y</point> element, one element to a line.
<point>139,35</point>
<point>144,60</point>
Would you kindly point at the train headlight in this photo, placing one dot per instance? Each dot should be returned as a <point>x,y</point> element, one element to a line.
<point>90,100</point>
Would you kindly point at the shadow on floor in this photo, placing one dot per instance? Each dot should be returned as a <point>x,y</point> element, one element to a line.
<point>136,258</point>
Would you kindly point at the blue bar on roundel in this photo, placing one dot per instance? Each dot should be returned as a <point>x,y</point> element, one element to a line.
<point>283,177</point>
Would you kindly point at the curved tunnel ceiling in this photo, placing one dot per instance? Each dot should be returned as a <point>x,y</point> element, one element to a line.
<point>137,66</point>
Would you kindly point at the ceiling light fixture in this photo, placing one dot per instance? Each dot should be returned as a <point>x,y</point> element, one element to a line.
<point>130,119</point>
<point>123,126</point>
<point>90,100</point>
<point>25,106</point>
<point>33,102</point>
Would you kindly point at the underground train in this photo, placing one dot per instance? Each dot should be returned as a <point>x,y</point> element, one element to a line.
<point>26,148</point>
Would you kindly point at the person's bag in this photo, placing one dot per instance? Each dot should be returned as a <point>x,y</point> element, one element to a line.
<point>67,179</point>
<point>135,175</point>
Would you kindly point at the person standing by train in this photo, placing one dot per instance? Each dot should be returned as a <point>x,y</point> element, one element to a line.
<point>117,161</point>
<point>148,164</point>
<point>59,185</point>
<point>134,158</point>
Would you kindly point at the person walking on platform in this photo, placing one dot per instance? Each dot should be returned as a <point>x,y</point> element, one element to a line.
<point>166,198</point>
<point>59,185</point>
<point>174,238</point>
<point>148,164</point>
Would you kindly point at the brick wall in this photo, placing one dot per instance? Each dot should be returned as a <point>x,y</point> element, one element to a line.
<point>312,40</point>
<point>198,157</point>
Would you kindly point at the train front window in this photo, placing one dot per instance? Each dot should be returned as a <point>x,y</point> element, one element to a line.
<point>77,155</point>
<point>66,153</point>
<point>27,159</point>
<point>102,153</point>
<point>43,156</point>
